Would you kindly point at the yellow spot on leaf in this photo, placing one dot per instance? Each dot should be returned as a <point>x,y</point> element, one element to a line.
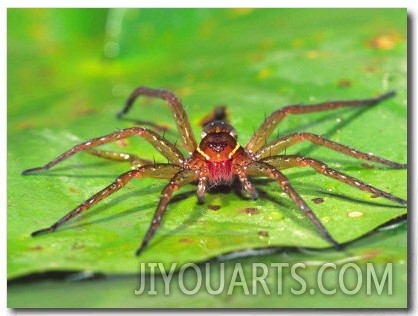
<point>264,73</point>
<point>354,214</point>
<point>384,41</point>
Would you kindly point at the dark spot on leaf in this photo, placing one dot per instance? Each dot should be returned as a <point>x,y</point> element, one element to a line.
<point>73,190</point>
<point>344,83</point>
<point>250,211</point>
<point>370,69</point>
<point>185,240</point>
<point>77,246</point>
<point>318,200</point>
<point>263,233</point>
<point>214,207</point>
<point>37,248</point>
<point>26,125</point>
<point>85,111</point>
<point>367,165</point>
<point>371,253</point>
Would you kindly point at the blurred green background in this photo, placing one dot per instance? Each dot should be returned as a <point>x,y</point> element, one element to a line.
<point>69,73</point>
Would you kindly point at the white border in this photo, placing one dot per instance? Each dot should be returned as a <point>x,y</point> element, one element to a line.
<point>224,4</point>
<point>410,4</point>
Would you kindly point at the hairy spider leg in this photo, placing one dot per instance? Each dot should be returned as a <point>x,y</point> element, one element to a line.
<point>201,189</point>
<point>134,160</point>
<point>260,168</point>
<point>180,178</point>
<point>261,135</point>
<point>161,144</point>
<point>247,186</point>
<point>283,143</point>
<point>289,161</point>
<point>165,171</point>
<point>180,116</point>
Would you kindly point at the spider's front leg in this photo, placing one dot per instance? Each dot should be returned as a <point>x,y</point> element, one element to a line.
<point>180,178</point>
<point>180,116</point>
<point>248,189</point>
<point>162,145</point>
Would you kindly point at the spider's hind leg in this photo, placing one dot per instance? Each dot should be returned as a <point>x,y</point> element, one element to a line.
<point>281,144</point>
<point>289,161</point>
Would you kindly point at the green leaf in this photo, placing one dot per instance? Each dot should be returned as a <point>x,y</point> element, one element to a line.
<point>86,291</point>
<point>67,82</point>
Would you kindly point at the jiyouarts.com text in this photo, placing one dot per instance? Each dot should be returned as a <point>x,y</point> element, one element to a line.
<point>268,279</point>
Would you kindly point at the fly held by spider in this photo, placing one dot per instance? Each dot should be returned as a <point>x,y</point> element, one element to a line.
<point>219,159</point>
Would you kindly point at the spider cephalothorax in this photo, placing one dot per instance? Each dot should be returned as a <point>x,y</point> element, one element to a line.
<point>219,158</point>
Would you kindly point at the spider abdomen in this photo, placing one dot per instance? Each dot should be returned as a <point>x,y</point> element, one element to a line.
<point>220,172</point>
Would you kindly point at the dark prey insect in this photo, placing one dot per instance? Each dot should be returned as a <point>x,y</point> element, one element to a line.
<point>219,159</point>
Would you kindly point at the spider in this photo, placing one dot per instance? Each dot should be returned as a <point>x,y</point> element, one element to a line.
<point>219,159</point>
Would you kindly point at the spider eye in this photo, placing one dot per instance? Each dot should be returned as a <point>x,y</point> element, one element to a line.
<point>218,146</point>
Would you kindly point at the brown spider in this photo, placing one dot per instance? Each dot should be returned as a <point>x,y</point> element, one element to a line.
<point>219,159</point>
